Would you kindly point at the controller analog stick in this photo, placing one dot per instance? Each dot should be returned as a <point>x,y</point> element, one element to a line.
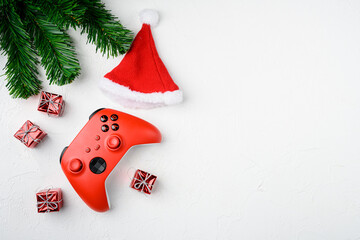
<point>113,142</point>
<point>75,165</point>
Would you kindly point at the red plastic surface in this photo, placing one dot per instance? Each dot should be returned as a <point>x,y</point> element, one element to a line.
<point>91,186</point>
<point>113,142</point>
<point>75,165</point>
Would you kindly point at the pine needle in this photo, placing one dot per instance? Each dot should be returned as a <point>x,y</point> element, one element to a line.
<point>20,68</point>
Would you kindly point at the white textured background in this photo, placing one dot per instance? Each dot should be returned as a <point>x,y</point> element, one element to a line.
<point>265,146</point>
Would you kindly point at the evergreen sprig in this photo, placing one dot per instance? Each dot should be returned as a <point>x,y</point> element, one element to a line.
<point>54,46</point>
<point>64,13</point>
<point>27,25</point>
<point>103,29</point>
<point>21,67</point>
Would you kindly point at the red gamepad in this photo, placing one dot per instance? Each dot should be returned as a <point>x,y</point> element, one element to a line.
<point>97,149</point>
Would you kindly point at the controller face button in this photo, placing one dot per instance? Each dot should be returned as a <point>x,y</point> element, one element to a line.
<point>114,117</point>
<point>115,126</point>
<point>75,165</point>
<point>113,142</point>
<point>97,147</point>
<point>97,137</point>
<point>97,165</point>
<point>103,118</point>
<point>87,150</point>
<point>105,128</point>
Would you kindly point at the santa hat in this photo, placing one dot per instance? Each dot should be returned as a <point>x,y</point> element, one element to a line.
<point>141,79</point>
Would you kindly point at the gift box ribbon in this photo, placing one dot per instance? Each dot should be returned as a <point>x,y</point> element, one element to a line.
<point>50,99</point>
<point>50,205</point>
<point>26,133</point>
<point>142,182</point>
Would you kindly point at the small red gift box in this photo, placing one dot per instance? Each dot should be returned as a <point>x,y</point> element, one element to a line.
<point>30,134</point>
<point>49,200</point>
<point>51,103</point>
<point>143,181</point>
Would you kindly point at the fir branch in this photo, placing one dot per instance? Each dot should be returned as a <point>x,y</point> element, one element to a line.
<point>20,69</point>
<point>103,29</point>
<point>58,56</point>
<point>64,13</point>
<point>5,2</point>
<point>47,21</point>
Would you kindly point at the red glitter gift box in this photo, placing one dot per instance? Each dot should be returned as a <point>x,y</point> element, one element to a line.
<point>30,134</point>
<point>49,200</point>
<point>52,104</point>
<point>143,181</point>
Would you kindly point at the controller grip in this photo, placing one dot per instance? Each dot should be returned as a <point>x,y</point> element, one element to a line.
<point>144,133</point>
<point>94,194</point>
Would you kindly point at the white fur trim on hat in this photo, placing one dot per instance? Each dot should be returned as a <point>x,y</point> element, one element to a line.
<point>149,16</point>
<point>134,99</point>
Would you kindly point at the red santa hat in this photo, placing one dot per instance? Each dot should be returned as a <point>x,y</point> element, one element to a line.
<point>141,79</point>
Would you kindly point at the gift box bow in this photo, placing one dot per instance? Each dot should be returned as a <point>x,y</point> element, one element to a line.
<point>53,100</point>
<point>25,134</point>
<point>50,205</point>
<point>142,183</point>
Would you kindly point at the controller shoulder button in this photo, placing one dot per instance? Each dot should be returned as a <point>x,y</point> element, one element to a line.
<point>62,153</point>
<point>91,115</point>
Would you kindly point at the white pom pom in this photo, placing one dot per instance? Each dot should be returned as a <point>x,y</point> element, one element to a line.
<point>149,16</point>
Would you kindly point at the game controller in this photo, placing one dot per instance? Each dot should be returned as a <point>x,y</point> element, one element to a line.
<point>98,148</point>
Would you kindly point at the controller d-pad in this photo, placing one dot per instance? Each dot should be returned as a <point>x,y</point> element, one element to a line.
<point>97,165</point>
<point>103,118</point>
